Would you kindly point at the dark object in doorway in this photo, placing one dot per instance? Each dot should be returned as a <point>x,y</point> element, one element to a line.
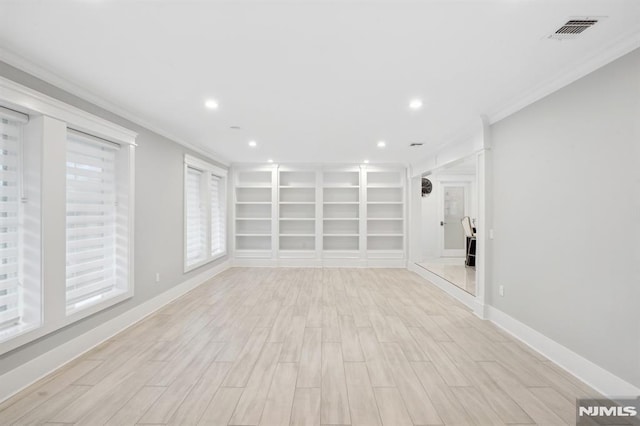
<point>427,187</point>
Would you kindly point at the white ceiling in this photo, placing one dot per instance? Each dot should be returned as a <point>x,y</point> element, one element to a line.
<point>310,81</point>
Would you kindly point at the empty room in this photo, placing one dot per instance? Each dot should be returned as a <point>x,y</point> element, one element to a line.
<point>315,213</point>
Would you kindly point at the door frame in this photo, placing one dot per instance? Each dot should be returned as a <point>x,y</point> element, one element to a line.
<point>443,183</point>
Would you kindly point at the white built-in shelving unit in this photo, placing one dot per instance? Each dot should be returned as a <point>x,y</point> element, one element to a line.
<point>347,215</point>
<point>297,213</point>
<point>341,213</point>
<point>253,192</point>
<point>385,213</point>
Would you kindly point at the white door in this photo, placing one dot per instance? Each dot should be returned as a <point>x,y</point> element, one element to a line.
<point>454,206</point>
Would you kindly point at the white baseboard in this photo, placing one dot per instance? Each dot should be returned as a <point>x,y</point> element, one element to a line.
<point>30,372</point>
<point>444,285</point>
<point>603,381</point>
<point>321,263</point>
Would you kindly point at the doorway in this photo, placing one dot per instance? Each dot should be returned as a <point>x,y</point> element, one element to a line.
<point>454,207</point>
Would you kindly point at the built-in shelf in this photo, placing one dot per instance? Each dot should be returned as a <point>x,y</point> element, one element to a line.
<point>253,207</point>
<point>385,211</point>
<point>350,212</point>
<point>297,211</point>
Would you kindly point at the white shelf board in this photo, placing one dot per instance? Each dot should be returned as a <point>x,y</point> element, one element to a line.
<point>341,218</point>
<point>297,202</point>
<point>341,202</point>
<point>340,186</point>
<point>297,235</point>
<point>253,186</point>
<point>385,235</point>
<point>340,235</point>
<point>253,235</point>
<point>253,202</point>
<point>385,218</point>
<point>253,218</point>
<point>297,218</point>
<point>385,202</point>
<point>298,186</point>
<point>378,185</point>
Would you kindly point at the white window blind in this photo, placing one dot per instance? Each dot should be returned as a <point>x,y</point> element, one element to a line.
<point>218,222</point>
<point>196,219</point>
<point>91,220</point>
<point>10,250</point>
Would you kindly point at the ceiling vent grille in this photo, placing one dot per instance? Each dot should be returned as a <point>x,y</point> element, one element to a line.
<point>416,144</point>
<point>573,28</point>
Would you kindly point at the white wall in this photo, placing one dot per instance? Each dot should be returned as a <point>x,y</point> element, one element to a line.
<point>566,214</point>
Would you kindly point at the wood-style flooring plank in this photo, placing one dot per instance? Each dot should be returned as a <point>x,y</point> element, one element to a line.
<point>335,402</point>
<point>392,409</point>
<point>277,409</point>
<point>306,407</point>
<point>362,401</point>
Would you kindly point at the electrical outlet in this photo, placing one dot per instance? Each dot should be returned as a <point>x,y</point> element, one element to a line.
<point>501,290</point>
<point>157,277</point>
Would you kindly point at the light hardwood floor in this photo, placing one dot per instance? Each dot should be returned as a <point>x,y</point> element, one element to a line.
<point>306,347</point>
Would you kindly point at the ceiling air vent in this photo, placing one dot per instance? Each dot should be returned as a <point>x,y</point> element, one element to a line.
<point>416,144</point>
<point>573,28</point>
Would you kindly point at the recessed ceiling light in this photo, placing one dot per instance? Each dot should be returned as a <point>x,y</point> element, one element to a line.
<point>270,160</point>
<point>382,144</point>
<point>253,144</point>
<point>211,104</point>
<point>366,161</point>
<point>415,104</point>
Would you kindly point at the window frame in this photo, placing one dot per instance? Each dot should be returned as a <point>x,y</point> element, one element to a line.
<point>208,170</point>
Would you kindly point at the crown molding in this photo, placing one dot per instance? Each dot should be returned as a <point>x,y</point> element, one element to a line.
<point>32,101</point>
<point>610,53</point>
<point>29,67</point>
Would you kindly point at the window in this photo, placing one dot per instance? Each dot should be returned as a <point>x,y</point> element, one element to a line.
<point>20,307</point>
<point>196,217</point>
<point>66,214</point>
<point>205,217</point>
<point>94,253</point>
<point>10,226</point>
<point>218,217</point>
